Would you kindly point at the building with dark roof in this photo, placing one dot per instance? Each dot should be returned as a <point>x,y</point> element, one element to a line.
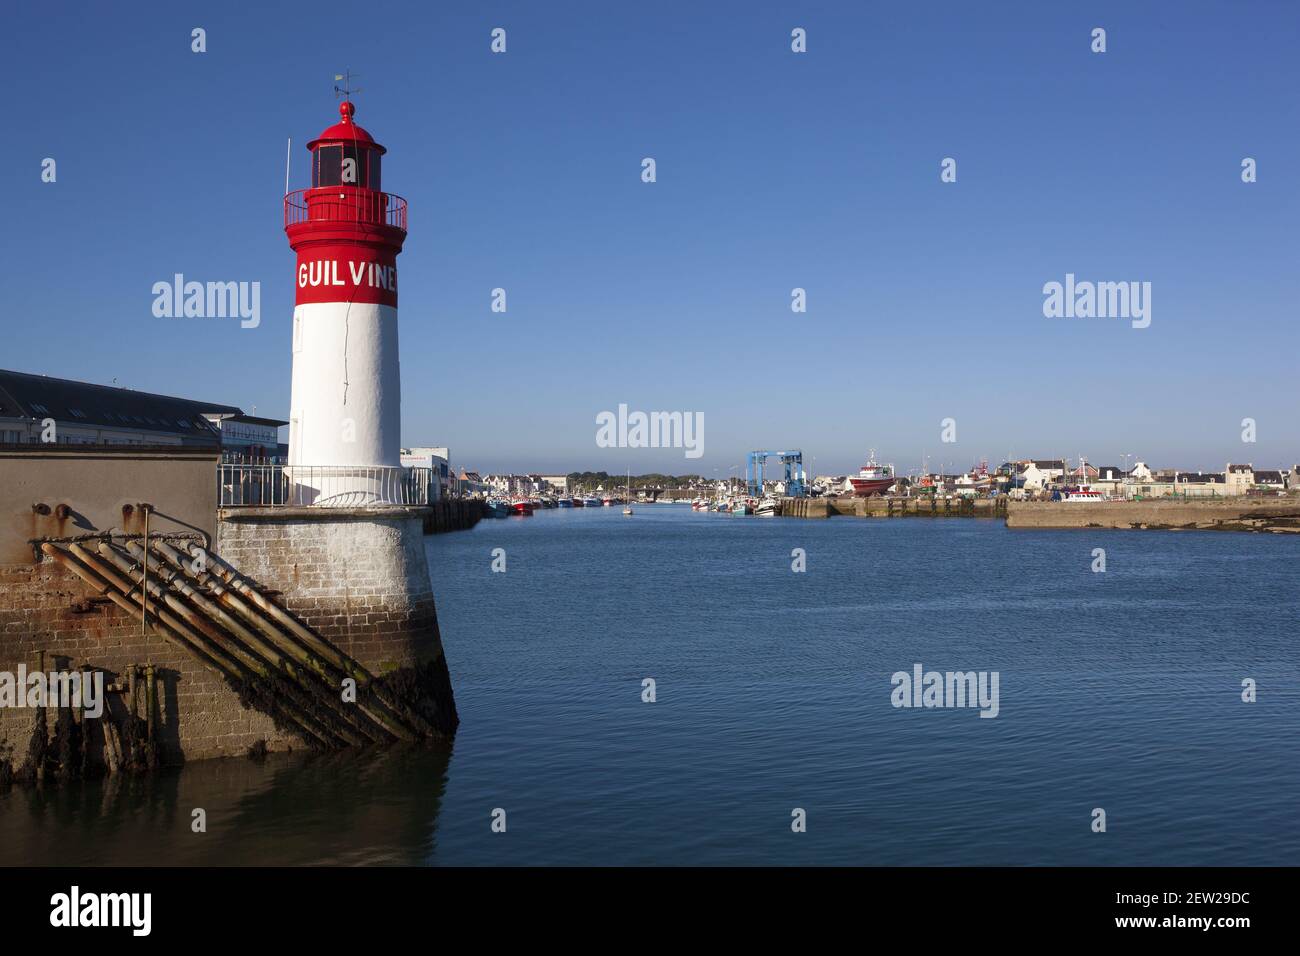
<point>38,408</point>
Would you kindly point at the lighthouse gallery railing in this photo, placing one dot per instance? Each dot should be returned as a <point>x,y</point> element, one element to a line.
<point>344,204</point>
<point>248,485</point>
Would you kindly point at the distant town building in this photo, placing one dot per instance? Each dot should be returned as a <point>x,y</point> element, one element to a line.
<point>471,484</point>
<point>438,461</point>
<point>1039,473</point>
<point>248,436</point>
<point>36,408</point>
<point>1200,484</point>
<point>1269,481</point>
<point>1238,478</point>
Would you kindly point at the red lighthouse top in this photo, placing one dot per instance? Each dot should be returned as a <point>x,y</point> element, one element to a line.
<point>346,230</point>
<point>346,131</point>
<point>346,189</point>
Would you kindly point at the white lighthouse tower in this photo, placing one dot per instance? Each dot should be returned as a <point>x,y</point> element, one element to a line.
<point>345,406</point>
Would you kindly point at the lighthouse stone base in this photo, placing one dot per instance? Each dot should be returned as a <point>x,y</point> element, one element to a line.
<point>359,577</point>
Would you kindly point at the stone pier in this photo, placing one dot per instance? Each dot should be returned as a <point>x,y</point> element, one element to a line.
<point>359,577</point>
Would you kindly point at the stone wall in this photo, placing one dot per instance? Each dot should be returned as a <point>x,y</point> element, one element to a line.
<point>44,607</point>
<point>1233,514</point>
<point>896,507</point>
<point>360,578</point>
<point>452,514</point>
<point>357,576</point>
<point>64,490</point>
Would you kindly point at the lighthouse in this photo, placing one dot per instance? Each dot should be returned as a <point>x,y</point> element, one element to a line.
<point>345,404</point>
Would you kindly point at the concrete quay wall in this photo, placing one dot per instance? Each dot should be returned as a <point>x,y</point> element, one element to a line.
<point>921,506</point>
<point>1230,514</point>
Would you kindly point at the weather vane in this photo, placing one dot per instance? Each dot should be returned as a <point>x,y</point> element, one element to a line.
<point>346,78</point>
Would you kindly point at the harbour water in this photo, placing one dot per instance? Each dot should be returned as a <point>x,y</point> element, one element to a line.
<point>1120,690</point>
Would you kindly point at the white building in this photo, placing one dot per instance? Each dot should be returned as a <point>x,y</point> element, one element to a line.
<point>438,461</point>
<point>1238,479</point>
<point>1039,473</point>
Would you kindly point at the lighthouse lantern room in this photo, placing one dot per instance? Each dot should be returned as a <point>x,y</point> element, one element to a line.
<point>345,405</point>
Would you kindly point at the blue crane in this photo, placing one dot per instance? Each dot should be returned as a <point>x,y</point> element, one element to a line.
<point>796,484</point>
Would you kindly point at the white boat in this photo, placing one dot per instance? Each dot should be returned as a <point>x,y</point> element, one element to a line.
<point>766,508</point>
<point>1084,494</point>
<point>627,508</point>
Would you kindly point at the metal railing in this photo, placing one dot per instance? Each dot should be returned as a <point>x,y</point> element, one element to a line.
<point>244,485</point>
<point>344,204</point>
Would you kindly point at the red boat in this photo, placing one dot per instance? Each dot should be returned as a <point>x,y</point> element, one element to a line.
<point>522,507</point>
<point>872,479</point>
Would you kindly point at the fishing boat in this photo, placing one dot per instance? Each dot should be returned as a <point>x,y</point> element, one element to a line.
<point>1083,493</point>
<point>496,508</point>
<point>766,508</point>
<point>872,478</point>
<point>591,501</point>
<point>565,502</point>
<point>742,506</point>
<point>522,507</point>
<point>577,502</point>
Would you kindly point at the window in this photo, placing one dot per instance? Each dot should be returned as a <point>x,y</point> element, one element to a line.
<point>38,407</point>
<point>361,169</point>
<point>327,166</point>
<point>77,413</point>
<point>183,423</point>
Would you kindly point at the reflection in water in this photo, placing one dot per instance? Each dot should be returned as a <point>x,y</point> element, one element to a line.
<point>350,807</point>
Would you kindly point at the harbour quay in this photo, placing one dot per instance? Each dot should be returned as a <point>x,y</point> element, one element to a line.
<point>898,506</point>
<point>1277,515</point>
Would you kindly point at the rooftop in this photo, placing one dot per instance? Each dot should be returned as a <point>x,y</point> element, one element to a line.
<point>23,395</point>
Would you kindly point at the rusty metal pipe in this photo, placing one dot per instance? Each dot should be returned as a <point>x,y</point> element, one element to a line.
<point>269,651</point>
<point>244,664</point>
<point>102,578</point>
<point>209,652</point>
<point>349,666</point>
<point>312,640</point>
<point>376,711</point>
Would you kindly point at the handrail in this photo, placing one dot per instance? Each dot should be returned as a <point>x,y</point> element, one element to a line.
<point>241,485</point>
<point>344,204</point>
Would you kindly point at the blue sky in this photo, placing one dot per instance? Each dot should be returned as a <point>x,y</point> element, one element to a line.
<point>775,170</point>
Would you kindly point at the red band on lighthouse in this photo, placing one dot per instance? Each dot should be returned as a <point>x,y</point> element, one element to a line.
<point>349,274</point>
